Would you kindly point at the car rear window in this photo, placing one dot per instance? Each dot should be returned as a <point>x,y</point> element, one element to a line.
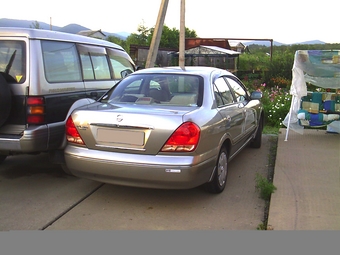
<point>165,89</point>
<point>13,60</point>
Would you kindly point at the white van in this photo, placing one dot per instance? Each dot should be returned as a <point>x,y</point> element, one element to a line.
<point>42,73</point>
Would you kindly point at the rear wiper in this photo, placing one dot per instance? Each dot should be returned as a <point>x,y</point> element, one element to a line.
<point>9,65</point>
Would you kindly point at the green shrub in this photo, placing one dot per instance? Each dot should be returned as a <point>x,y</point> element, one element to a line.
<point>276,100</point>
<point>265,187</point>
<point>276,104</point>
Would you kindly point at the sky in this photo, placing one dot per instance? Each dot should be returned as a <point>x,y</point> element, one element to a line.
<point>288,21</point>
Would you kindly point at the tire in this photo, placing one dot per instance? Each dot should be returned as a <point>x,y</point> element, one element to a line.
<point>219,181</point>
<point>257,141</point>
<point>5,100</point>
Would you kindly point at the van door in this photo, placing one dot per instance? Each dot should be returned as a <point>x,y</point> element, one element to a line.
<point>97,71</point>
<point>62,73</point>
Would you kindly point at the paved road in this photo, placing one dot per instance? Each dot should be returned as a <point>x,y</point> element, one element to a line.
<point>37,195</point>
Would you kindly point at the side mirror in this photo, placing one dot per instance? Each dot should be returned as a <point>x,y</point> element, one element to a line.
<point>256,95</point>
<point>125,73</point>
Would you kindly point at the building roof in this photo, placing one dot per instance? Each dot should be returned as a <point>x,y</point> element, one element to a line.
<point>236,44</point>
<point>92,33</point>
<point>211,51</point>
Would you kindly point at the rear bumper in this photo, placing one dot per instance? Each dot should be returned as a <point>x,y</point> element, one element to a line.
<point>33,139</point>
<point>163,172</point>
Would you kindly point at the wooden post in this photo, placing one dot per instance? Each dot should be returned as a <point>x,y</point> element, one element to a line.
<point>181,58</point>
<point>156,38</point>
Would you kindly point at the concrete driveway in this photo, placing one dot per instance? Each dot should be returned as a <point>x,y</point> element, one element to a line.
<point>37,195</point>
<point>307,177</point>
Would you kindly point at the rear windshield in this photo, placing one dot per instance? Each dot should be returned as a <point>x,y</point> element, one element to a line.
<point>165,89</point>
<point>13,60</point>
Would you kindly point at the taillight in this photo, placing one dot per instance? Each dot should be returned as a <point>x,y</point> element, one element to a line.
<point>184,139</point>
<point>36,110</point>
<point>72,134</point>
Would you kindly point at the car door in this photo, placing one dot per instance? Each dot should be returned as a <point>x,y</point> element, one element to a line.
<point>242,98</point>
<point>229,109</point>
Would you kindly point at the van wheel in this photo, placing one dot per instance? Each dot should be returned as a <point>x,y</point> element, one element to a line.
<point>219,181</point>
<point>5,100</point>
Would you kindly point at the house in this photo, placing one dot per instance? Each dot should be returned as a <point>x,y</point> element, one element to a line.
<point>194,42</point>
<point>215,56</point>
<point>139,54</point>
<point>93,33</point>
<point>237,46</point>
<point>215,52</point>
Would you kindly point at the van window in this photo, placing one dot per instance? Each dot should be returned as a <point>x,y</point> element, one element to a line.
<point>13,60</point>
<point>95,63</point>
<point>100,66</point>
<point>120,62</point>
<point>87,66</point>
<point>61,61</point>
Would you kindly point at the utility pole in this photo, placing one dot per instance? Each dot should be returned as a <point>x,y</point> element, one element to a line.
<point>181,58</point>
<point>156,38</point>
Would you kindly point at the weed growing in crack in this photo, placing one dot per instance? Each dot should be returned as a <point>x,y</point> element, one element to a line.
<point>265,187</point>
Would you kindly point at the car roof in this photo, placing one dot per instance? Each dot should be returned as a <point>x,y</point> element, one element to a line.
<point>195,70</point>
<point>54,35</point>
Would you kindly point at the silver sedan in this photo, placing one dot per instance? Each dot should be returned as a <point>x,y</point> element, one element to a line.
<point>168,128</point>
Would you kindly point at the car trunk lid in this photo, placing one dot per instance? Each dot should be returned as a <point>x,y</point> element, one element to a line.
<point>114,128</point>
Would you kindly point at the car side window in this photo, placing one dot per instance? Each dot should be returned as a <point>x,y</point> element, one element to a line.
<point>61,61</point>
<point>239,92</point>
<point>222,92</point>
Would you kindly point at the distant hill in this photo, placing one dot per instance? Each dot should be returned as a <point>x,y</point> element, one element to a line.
<point>71,28</point>
<point>275,43</point>
<point>25,23</point>
<point>263,43</point>
<point>312,42</point>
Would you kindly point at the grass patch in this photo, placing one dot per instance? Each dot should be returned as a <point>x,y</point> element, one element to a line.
<point>264,186</point>
<point>261,227</point>
<point>269,130</point>
<point>263,182</point>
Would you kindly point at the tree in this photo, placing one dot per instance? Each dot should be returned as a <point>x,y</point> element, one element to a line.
<point>170,37</point>
<point>140,38</point>
<point>35,25</point>
<point>275,72</point>
<point>118,41</point>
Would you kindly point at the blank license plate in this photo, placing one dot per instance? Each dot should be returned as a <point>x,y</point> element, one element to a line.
<point>120,136</point>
